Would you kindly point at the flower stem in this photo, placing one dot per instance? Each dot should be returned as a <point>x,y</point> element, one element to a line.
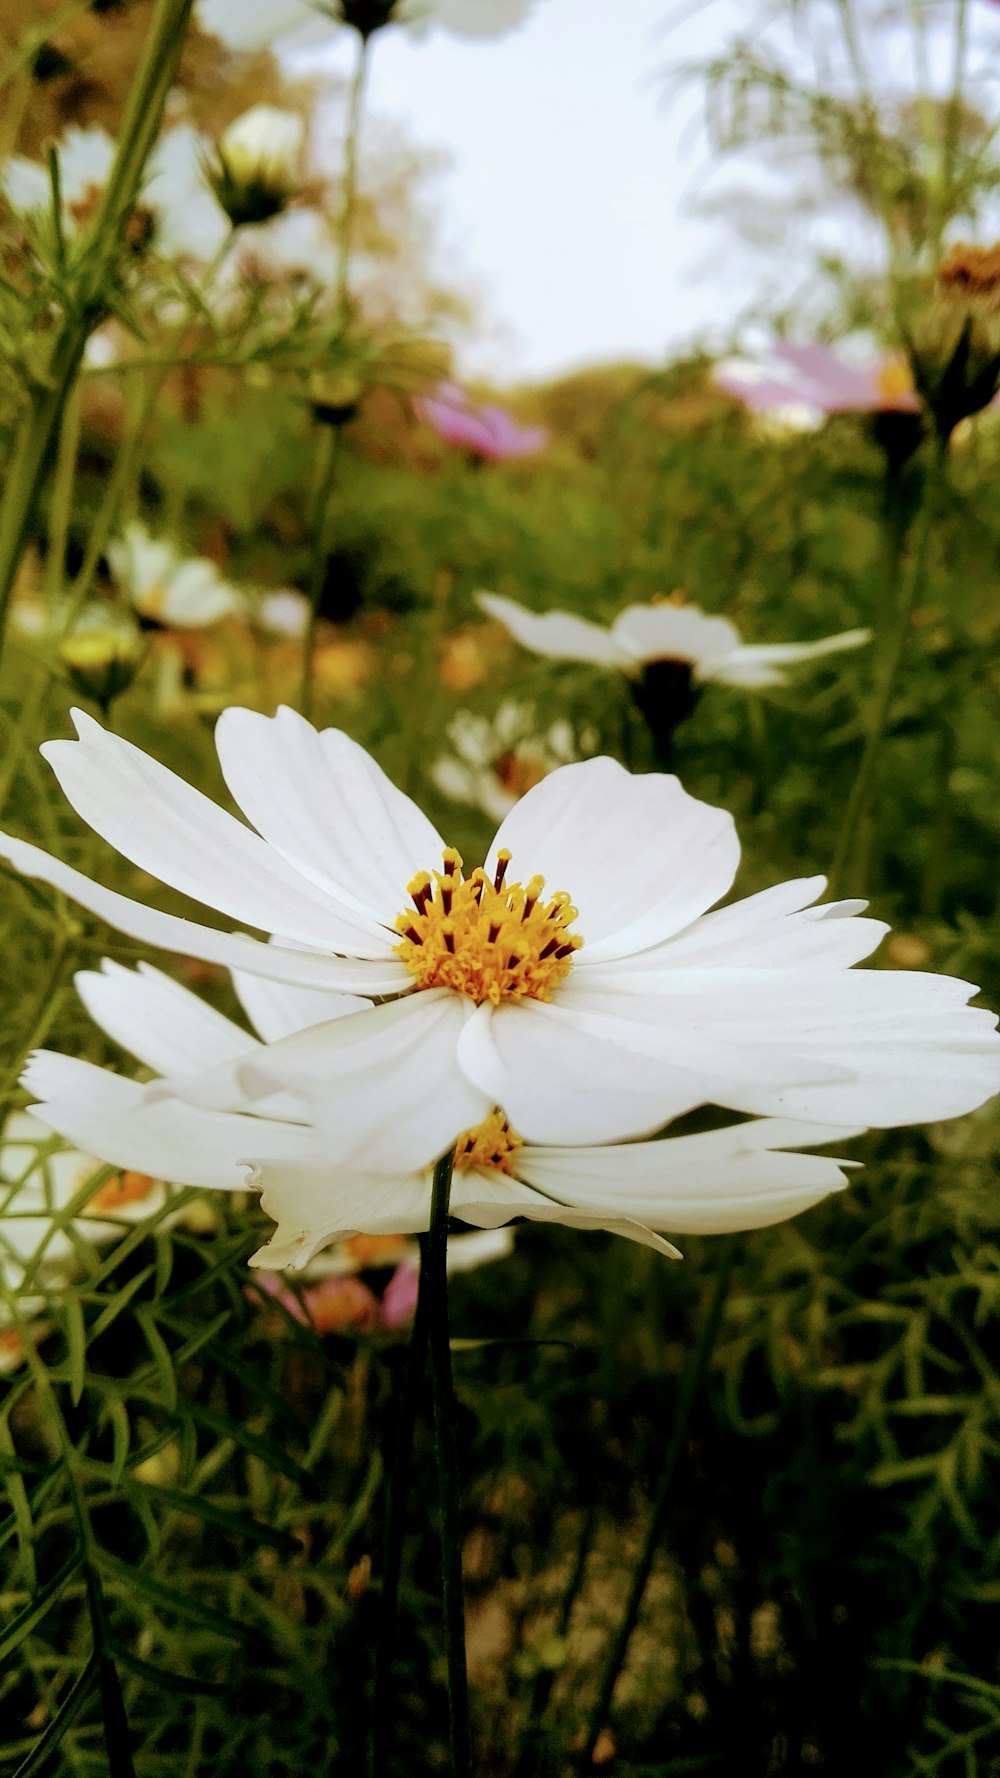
<point>399,1477</point>
<point>690,1386</point>
<point>434,1282</point>
<point>895,642</point>
<point>139,129</point>
<point>61,504</point>
<point>330,446</point>
<point>349,204</point>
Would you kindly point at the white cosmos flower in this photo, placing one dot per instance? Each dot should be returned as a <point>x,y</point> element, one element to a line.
<point>259,163</point>
<point>300,24</point>
<point>577,980</point>
<point>738,1178</point>
<point>494,759</point>
<point>159,583</point>
<point>642,634</point>
<point>186,217</point>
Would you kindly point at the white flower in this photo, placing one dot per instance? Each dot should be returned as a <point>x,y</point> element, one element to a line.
<point>259,163</point>
<point>642,634</point>
<point>300,24</point>
<point>284,612</point>
<point>186,218</point>
<point>738,1178</point>
<point>586,1020</point>
<point>162,585</point>
<point>494,760</point>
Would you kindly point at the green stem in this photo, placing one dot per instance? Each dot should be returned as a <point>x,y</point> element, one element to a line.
<point>329,457</point>
<point>139,129</point>
<point>399,1477</point>
<point>349,205</point>
<point>434,1282</point>
<point>61,507</point>
<point>690,1387</point>
<point>892,655</point>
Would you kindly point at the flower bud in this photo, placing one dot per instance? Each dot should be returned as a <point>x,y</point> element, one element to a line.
<point>956,349</point>
<point>335,396</point>
<point>102,660</point>
<point>258,170</point>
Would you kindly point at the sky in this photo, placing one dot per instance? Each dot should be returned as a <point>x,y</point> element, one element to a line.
<point>562,209</point>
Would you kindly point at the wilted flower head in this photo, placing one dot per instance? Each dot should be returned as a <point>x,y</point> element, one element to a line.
<point>258,166</point>
<point>101,656</point>
<point>487,432</point>
<point>166,588</point>
<point>575,983</point>
<point>956,341</point>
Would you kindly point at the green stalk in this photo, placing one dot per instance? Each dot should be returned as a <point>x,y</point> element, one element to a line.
<point>399,1478</point>
<point>139,130</point>
<point>61,507</point>
<point>690,1387</point>
<point>329,457</point>
<point>892,654</point>
<point>434,1281</point>
<point>349,205</point>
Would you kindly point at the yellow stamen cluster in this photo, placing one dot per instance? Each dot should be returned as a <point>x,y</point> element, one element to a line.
<point>491,941</point>
<point>490,1144</point>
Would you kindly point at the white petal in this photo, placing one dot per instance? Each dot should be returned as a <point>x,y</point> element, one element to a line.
<point>325,805</point>
<point>167,828</point>
<point>488,1199</point>
<point>557,634</point>
<point>383,1087</point>
<point>777,926</point>
<point>639,858</point>
<point>737,1178</point>
<point>276,1009</point>
<point>673,632</point>
<point>197,595</point>
<point>761,664</point>
<point>112,1118</point>
<point>313,1205</point>
<point>164,1025</point>
<point>234,950</point>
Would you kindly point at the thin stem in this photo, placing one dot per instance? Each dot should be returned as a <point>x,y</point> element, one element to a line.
<point>107,516</point>
<point>329,457</point>
<point>690,1386</point>
<point>434,1282</point>
<point>61,506</point>
<point>399,1478</point>
<point>895,643</point>
<point>139,129</point>
<point>349,205</point>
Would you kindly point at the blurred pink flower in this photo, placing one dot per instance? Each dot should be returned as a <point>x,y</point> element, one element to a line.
<point>815,378</point>
<point>486,432</point>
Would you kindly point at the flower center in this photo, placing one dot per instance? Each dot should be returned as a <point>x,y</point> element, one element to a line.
<point>492,941</point>
<point>490,1144</point>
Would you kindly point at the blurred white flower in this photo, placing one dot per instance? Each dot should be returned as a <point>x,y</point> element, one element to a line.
<point>586,1020</point>
<point>496,759</point>
<point>667,631</point>
<point>167,588</point>
<point>258,167</point>
<point>176,205</point>
<point>284,612</point>
<point>738,1178</point>
<point>299,244</point>
<point>300,24</point>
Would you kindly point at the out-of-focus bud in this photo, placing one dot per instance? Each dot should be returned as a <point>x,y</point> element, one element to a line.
<point>335,396</point>
<point>368,16</point>
<point>956,345</point>
<point>259,166</point>
<point>101,660</point>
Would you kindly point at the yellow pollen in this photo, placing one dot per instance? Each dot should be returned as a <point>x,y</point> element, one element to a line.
<point>894,379</point>
<point>490,1144</point>
<point>490,940</point>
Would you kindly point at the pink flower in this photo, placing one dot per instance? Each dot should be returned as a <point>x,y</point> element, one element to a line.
<point>815,379</point>
<point>487,433</point>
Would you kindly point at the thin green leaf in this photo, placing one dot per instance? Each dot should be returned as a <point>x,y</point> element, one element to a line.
<point>63,1720</point>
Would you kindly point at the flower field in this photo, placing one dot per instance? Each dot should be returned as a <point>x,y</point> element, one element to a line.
<point>499,1216</point>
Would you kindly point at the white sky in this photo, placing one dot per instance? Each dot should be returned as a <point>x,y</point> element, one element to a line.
<point>561,210</point>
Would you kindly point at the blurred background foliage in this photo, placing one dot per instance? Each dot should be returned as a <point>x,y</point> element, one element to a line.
<point>195,1499</point>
